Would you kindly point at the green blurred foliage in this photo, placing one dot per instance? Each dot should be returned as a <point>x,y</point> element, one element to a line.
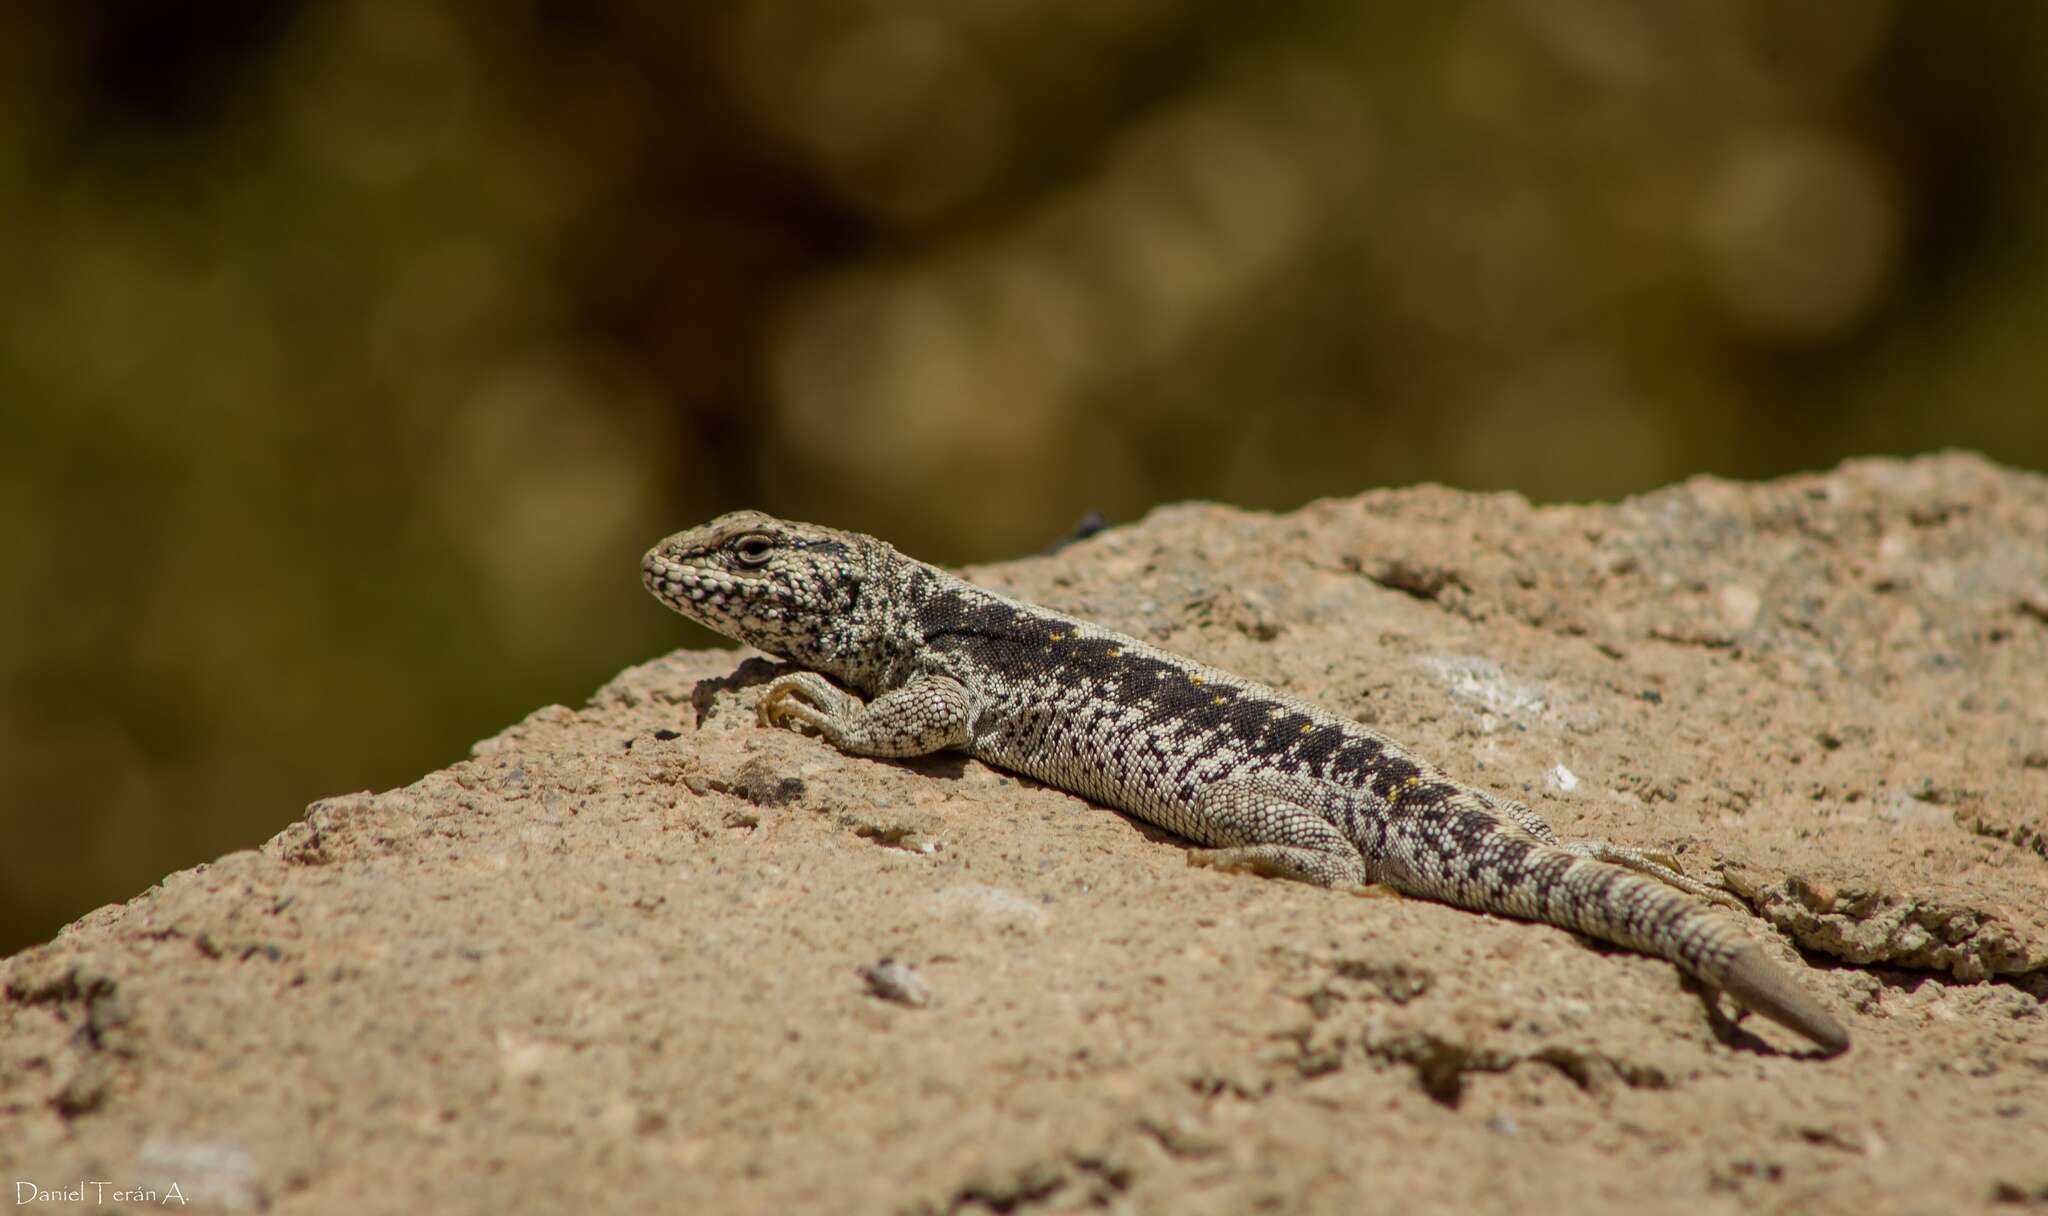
<point>354,351</point>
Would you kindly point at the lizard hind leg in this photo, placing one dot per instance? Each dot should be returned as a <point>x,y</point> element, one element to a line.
<point>1266,831</point>
<point>1653,863</point>
<point>1519,814</point>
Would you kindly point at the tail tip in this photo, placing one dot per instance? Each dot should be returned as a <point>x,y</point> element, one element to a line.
<point>1756,982</point>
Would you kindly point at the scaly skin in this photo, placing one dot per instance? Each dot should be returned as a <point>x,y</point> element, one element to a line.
<point>1273,784</point>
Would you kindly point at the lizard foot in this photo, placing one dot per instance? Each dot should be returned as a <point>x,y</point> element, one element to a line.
<point>1657,864</point>
<point>805,697</point>
<point>1373,890</point>
<point>1320,867</point>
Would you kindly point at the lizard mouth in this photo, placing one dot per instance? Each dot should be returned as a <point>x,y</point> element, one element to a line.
<point>691,590</point>
<point>671,582</point>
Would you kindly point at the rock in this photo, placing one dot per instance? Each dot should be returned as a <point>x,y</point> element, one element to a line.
<point>571,971</point>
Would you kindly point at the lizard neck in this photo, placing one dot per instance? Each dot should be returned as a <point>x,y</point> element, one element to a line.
<point>870,642</point>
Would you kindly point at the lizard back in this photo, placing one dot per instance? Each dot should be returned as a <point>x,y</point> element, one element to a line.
<point>1126,723</point>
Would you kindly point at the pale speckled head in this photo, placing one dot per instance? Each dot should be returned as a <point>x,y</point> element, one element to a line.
<point>790,589</point>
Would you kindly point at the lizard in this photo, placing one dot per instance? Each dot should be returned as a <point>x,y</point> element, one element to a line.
<point>899,658</point>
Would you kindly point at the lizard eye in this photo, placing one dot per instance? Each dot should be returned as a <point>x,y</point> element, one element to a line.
<point>753,550</point>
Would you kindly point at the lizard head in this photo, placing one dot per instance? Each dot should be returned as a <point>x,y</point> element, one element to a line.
<point>787,588</point>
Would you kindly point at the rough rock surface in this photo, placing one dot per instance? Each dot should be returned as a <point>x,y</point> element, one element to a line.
<point>648,954</point>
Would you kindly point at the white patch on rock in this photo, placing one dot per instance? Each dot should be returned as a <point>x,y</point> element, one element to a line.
<point>1481,682</point>
<point>216,1174</point>
<point>1739,606</point>
<point>993,905</point>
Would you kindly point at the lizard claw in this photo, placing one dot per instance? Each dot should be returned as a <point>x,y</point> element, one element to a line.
<point>808,699</point>
<point>785,703</point>
<point>771,711</point>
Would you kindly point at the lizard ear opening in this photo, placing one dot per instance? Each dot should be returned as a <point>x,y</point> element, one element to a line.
<point>753,549</point>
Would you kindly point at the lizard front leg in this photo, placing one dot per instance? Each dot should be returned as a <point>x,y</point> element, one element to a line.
<point>931,713</point>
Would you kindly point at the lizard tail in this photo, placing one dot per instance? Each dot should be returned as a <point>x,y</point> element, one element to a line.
<point>1620,906</point>
<point>1514,874</point>
<point>1752,979</point>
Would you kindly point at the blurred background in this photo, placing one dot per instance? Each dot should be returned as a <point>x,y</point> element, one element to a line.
<point>353,352</point>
